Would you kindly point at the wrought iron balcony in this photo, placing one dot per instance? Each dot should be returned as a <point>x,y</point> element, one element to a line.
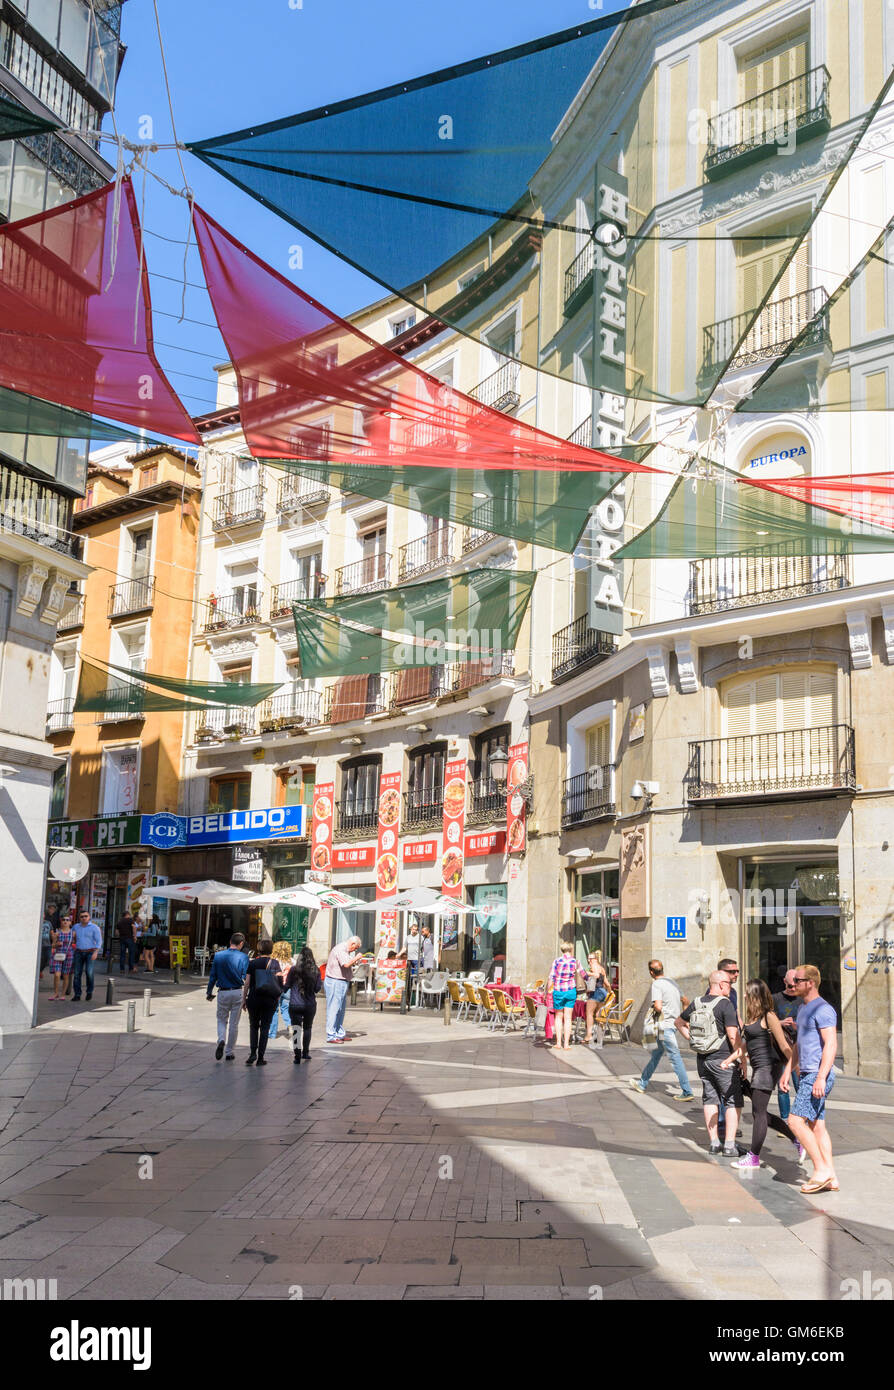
<point>579,279</point>
<point>579,645</point>
<point>423,810</point>
<point>416,685</point>
<point>238,508</point>
<point>500,390</point>
<point>427,553</point>
<point>296,493</point>
<point>125,704</point>
<point>60,716</point>
<point>232,610</point>
<point>284,595</point>
<point>796,762</point>
<point>134,596</point>
<point>363,576</point>
<point>460,676</point>
<point>38,512</point>
<point>733,344</point>
<point>296,708</point>
<point>771,121</point>
<point>583,435</point>
<point>488,803</point>
<point>766,574</point>
<point>343,704</point>
<point>356,815</point>
<point>72,614</point>
<point>233,723</point>
<point>588,796</point>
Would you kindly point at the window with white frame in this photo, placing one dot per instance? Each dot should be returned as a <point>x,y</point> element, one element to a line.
<point>120,780</point>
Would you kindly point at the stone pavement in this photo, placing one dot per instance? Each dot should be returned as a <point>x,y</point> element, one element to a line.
<point>417,1161</point>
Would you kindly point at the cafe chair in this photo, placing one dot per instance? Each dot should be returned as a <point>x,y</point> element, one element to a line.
<point>531,1007</point>
<point>616,1021</point>
<point>506,1011</point>
<point>472,1000</point>
<point>457,997</point>
<point>434,985</point>
<point>600,1017</point>
<point>476,977</point>
<point>488,1007</point>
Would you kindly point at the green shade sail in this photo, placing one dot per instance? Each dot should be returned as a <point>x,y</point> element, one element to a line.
<point>545,508</point>
<point>16,121</point>
<point>725,515</point>
<point>464,617</point>
<point>103,690</point>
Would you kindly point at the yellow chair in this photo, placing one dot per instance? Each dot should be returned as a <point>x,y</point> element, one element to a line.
<point>488,1007</point>
<point>472,999</point>
<point>458,998</point>
<point>531,1007</point>
<point>617,1019</point>
<point>506,1010</point>
<point>600,1018</point>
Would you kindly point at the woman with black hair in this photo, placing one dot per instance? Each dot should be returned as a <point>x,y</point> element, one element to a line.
<point>304,983</point>
<point>768,1052</point>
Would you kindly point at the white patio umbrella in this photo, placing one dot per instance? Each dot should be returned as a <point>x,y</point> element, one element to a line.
<point>208,893</point>
<point>312,896</point>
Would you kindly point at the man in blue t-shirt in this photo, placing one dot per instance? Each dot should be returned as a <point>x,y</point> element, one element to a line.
<point>228,970</point>
<point>813,1057</point>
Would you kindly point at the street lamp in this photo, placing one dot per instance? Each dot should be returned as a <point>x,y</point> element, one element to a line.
<point>499,766</point>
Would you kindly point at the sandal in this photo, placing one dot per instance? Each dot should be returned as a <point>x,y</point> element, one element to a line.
<point>811,1188</point>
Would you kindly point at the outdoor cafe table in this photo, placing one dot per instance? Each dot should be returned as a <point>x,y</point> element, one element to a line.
<point>579,1010</point>
<point>514,991</point>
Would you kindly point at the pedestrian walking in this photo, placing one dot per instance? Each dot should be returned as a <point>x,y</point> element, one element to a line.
<point>303,984</point>
<point>711,1025</point>
<point>427,947</point>
<point>150,944</point>
<point>667,1005</point>
<point>813,1056</point>
<point>768,1051</point>
<point>597,990</point>
<point>62,947</point>
<point>282,952</point>
<point>88,944</point>
<point>563,975</point>
<point>228,969</point>
<point>261,995</point>
<point>730,968</point>
<point>339,974</point>
<point>786,1005</point>
<point>413,949</point>
<point>126,929</point>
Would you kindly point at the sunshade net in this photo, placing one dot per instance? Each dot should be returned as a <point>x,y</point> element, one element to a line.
<point>16,122</point>
<point>474,616</point>
<point>76,318</point>
<point>312,386</point>
<point>717,515</point>
<point>867,497</point>
<point>548,508</point>
<point>122,689</point>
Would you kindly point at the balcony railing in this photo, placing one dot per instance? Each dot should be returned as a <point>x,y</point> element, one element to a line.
<point>297,708</point>
<point>773,332</point>
<point>284,595</point>
<point>356,815</point>
<point>795,761</point>
<point>424,810</point>
<point>427,553</point>
<point>588,796</point>
<point>579,645</point>
<point>35,511</point>
<point>772,120</point>
<point>363,576</point>
<point>134,596</point>
<point>233,723</point>
<point>579,279</point>
<point>124,704</point>
<point>465,675</point>
<point>343,704</point>
<point>417,685</point>
<point>72,614</point>
<point>583,435</point>
<point>500,390</point>
<point>232,610</point>
<point>60,716</point>
<point>239,508</point>
<point>766,574</point>
<point>295,493</point>
<point>488,802</point>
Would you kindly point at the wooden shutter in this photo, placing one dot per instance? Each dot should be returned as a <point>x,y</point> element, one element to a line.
<point>598,753</point>
<point>768,69</point>
<point>350,698</point>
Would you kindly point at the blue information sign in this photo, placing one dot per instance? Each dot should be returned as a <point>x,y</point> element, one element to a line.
<point>237,827</point>
<point>676,929</point>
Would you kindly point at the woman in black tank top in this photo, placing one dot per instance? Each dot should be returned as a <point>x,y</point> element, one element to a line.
<point>768,1052</point>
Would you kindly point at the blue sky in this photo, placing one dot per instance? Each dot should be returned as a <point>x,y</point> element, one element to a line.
<point>233,63</point>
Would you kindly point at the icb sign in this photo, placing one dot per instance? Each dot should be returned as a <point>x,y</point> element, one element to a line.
<point>235,827</point>
<point>675,929</point>
<point>163,831</point>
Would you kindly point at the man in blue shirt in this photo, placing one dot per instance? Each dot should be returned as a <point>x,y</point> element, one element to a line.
<point>813,1056</point>
<point>228,973</point>
<point>88,944</point>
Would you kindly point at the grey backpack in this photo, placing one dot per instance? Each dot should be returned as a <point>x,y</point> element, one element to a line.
<point>705,1033</point>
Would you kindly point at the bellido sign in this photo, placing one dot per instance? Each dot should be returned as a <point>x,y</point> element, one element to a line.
<point>164,831</point>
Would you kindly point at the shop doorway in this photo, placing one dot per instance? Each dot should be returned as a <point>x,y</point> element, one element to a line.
<point>597,918</point>
<point>290,923</point>
<point>792,917</point>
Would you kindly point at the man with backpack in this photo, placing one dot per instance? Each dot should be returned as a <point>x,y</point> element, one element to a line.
<point>711,1025</point>
<point>261,996</point>
<point>667,1004</point>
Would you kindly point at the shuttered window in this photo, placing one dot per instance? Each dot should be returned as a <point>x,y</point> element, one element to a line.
<point>598,747</point>
<point>771,67</point>
<point>778,728</point>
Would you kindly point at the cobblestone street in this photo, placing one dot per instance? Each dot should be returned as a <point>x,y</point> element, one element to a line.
<point>416,1162</point>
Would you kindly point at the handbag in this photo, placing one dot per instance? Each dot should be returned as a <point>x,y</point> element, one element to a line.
<point>540,1016</point>
<point>58,955</point>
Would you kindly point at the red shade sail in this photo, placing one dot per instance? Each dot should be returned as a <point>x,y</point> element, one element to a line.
<point>867,497</point>
<point>75,331</point>
<point>313,387</point>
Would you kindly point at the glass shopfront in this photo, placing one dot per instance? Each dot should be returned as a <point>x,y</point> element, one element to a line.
<point>791,915</point>
<point>487,938</point>
<point>362,924</point>
<point>596,919</point>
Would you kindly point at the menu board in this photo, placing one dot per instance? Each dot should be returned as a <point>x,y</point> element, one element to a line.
<point>322,820</point>
<point>516,806</point>
<point>137,886</point>
<point>452,858</point>
<point>386,857</point>
<point>391,981</point>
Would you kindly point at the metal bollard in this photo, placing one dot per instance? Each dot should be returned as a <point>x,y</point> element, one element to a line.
<point>110,991</point>
<point>448,1010</point>
<point>131,1015</point>
<point>147,999</point>
<point>176,974</point>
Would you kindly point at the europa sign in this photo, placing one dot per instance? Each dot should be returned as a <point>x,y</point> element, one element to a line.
<point>789,455</point>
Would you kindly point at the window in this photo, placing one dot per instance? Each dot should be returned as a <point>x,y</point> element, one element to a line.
<point>757,266</point>
<point>362,924</point>
<point>297,788</point>
<point>120,781</point>
<point>596,915</point>
<point>238,674</point>
<point>598,745</point>
<point>229,793</point>
<point>780,700</point>
<point>58,793</point>
<point>484,745</point>
<point>471,276</point>
<point>772,66</point>
<point>64,675</point>
<point>140,552</point>
<point>308,574</point>
<point>360,786</point>
<point>149,476</point>
<point>425,794</point>
<point>402,325</point>
<point>133,641</point>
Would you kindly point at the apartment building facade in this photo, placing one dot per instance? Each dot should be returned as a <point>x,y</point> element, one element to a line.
<point>57,64</point>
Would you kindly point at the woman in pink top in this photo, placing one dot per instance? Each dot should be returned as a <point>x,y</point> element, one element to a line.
<point>563,975</point>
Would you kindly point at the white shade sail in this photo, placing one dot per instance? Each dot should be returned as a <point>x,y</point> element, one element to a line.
<point>207,891</point>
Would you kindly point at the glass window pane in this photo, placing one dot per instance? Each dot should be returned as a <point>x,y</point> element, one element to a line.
<point>43,15</point>
<point>6,149</point>
<point>74,32</point>
<point>29,180</point>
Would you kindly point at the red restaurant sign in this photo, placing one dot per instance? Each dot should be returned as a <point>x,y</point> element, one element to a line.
<point>420,851</point>
<point>516,807</point>
<point>492,842</point>
<point>354,858</point>
<point>386,856</point>
<point>321,829</point>
<point>452,859</point>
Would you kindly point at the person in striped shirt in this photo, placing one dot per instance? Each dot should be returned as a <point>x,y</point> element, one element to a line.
<point>563,974</point>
